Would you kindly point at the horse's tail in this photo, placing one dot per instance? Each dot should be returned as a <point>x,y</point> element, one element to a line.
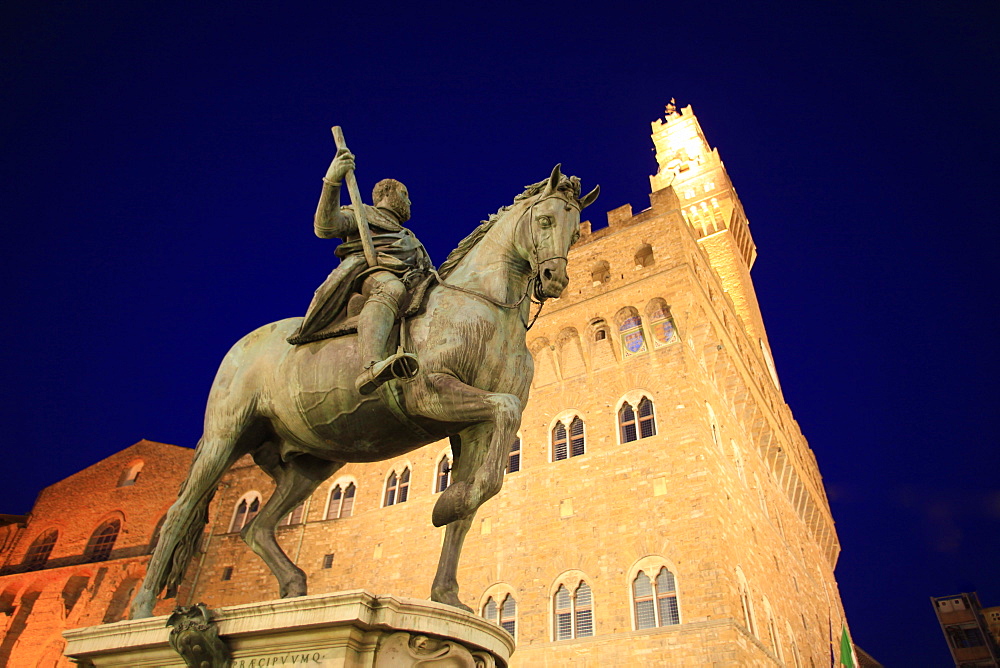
<point>186,547</point>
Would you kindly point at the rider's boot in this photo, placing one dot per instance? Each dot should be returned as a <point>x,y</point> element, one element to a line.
<point>374,326</point>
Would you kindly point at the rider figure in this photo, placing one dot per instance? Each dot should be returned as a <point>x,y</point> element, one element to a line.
<point>402,261</point>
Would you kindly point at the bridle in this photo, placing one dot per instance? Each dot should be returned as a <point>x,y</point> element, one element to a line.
<point>533,262</point>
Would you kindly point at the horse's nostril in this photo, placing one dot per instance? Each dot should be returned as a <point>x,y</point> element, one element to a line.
<point>548,274</point>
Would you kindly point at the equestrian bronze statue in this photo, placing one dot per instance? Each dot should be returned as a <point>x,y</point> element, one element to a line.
<point>304,410</point>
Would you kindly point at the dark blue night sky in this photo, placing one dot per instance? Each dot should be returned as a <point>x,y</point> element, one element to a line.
<point>161,164</point>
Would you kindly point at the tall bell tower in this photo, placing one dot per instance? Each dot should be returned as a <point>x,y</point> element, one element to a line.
<point>712,208</point>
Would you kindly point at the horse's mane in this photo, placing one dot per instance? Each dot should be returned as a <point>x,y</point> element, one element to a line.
<point>568,184</point>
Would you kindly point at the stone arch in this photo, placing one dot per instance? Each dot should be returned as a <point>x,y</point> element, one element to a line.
<point>130,474</point>
<point>52,656</point>
<point>644,257</point>
<point>73,589</point>
<point>19,621</point>
<point>121,599</point>
<point>600,272</point>
<point>571,362</point>
<point>602,352</point>
<point>545,367</point>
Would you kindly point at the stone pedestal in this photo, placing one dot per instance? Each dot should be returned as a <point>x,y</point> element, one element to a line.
<point>352,628</point>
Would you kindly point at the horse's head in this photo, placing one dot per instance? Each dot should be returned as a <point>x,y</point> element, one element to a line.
<point>552,226</point>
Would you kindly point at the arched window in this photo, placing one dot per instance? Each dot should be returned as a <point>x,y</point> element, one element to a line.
<point>130,474</point>
<point>568,439</point>
<point>796,658</point>
<point>443,474</point>
<point>661,323</point>
<point>390,489</point>
<point>600,273</point>
<point>772,632</point>
<point>246,510</point>
<point>102,541</point>
<point>38,554</point>
<point>655,601</point>
<point>644,257</point>
<point>632,427</point>
<point>514,457</point>
<point>397,488</point>
<point>746,603</point>
<point>341,501</point>
<point>573,614</point>
<point>503,614</point>
<point>630,332</point>
<point>293,517</point>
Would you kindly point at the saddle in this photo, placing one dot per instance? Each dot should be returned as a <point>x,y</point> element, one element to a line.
<point>346,321</point>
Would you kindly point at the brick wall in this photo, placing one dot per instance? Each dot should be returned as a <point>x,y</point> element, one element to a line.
<point>70,590</point>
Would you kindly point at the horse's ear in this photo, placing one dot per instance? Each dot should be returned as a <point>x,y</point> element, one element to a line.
<point>589,198</point>
<point>553,180</point>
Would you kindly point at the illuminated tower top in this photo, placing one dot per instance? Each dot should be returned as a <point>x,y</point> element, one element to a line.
<point>712,208</point>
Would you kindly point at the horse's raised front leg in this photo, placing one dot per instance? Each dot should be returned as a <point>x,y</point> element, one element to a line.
<point>480,456</point>
<point>296,480</point>
<point>444,397</point>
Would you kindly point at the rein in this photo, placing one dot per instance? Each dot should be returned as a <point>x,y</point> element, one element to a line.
<point>534,263</point>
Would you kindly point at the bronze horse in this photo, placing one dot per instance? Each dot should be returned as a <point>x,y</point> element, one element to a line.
<point>295,408</point>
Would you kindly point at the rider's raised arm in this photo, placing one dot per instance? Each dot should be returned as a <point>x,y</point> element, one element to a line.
<point>331,221</point>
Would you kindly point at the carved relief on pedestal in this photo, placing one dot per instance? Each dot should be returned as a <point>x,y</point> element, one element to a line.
<point>402,650</point>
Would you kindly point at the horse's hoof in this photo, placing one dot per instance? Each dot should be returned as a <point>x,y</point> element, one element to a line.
<point>452,505</point>
<point>451,598</point>
<point>294,587</point>
<point>142,606</point>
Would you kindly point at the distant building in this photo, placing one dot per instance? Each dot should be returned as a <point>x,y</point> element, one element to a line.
<point>77,558</point>
<point>969,630</point>
<point>661,506</point>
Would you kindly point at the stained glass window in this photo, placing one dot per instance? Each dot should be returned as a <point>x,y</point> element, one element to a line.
<point>633,341</point>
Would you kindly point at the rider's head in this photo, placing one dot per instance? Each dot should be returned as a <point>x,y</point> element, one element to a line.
<point>392,195</point>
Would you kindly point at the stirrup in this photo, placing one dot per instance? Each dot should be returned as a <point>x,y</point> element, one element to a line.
<point>403,366</point>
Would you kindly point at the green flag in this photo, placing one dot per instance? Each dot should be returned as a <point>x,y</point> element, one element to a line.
<point>846,650</point>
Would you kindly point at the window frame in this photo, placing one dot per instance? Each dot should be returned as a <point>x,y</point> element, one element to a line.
<point>247,517</point>
<point>344,483</point>
<point>652,566</point>
<point>572,582</point>
<point>566,420</point>
<point>40,550</point>
<point>633,398</point>
<point>100,548</point>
